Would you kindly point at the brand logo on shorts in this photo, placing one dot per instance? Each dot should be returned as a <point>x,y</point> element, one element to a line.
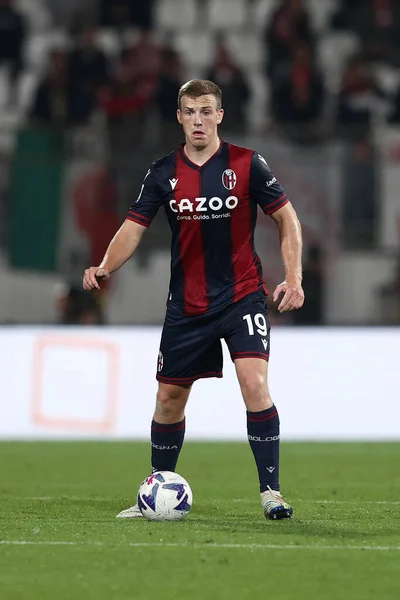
<point>160,362</point>
<point>229,179</point>
<point>265,343</point>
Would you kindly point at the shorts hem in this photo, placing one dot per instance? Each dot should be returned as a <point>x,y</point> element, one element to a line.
<point>236,355</point>
<point>187,380</point>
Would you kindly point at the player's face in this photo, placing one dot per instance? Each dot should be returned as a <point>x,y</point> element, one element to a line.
<point>200,118</point>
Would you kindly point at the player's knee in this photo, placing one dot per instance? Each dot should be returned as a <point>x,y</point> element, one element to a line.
<point>171,400</point>
<point>255,393</point>
<point>171,396</point>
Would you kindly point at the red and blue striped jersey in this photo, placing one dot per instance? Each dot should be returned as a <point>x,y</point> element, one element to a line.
<point>212,212</point>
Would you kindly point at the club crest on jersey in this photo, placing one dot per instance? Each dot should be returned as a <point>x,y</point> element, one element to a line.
<point>229,179</point>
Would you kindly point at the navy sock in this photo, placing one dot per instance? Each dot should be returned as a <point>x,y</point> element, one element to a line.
<point>166,444</point>
<point>263,435</point>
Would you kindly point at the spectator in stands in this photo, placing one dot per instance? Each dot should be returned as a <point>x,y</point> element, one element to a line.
<point>115,13</point>
<point>377,22</point>
<point>88,66</point>
<point>133,87</point>
<point>123,13</point>
<point>58,101</point>
<point>298,96</point>
<point>143,14</point>
<point>127,103</point>
<point>289,25</point>
<point>359,194</point>
<point>136,79</point>
<point>12,38</point>
<point>122,98</point>
<point>142,61</point>
<point>77,308</point>
<point>343,17</point>
<point>389,296</point>
<point>236,91</point>
<point>394,114</point>
<point>73,15</point>
<point>358,100</point>
<point>169,84</point>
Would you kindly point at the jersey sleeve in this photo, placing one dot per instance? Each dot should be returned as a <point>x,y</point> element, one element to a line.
<point>265,189</point>
<point>149,201</point>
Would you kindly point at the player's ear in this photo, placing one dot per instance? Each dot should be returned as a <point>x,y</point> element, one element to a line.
<point>220,116</point>
<point>179,116</point>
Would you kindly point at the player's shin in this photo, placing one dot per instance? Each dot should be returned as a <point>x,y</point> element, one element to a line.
<point>263,435</point>
<point>166,444</point>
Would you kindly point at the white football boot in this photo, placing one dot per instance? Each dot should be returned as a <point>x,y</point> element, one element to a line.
<point>130,513</point>
<point>274,506</point>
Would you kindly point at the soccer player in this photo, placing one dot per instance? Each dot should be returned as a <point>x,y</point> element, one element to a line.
<point>211,191</point>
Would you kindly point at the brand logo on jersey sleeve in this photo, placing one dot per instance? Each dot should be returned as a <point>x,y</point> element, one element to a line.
<point>173,183</point>
<point>142,188</point>
<point>229,179</point>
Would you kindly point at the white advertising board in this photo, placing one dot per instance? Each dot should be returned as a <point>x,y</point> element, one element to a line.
<point>328,384</point>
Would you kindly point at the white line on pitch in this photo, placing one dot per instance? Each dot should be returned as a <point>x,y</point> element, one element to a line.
<point>76,498</point>
<point>249,500</point>
<point>394,502</point>
<point>201,546</point>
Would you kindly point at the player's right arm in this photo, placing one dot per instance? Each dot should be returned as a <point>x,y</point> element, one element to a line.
<point>121,248</point>
<point>127,238</point>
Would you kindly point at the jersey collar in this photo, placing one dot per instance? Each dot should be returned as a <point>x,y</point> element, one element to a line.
<point>193,165</point>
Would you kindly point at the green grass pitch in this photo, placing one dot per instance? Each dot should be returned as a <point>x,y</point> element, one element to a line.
<point>60,539</point>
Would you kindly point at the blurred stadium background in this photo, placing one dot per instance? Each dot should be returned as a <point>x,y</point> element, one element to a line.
<point>88,94</point>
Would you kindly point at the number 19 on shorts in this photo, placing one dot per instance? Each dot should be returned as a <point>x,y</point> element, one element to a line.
<point>260,323</point>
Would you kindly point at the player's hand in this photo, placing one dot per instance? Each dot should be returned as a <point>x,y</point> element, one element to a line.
<point>293,295</point>
<point>93,276</point>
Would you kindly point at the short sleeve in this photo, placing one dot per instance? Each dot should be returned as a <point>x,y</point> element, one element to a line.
<point>149,201</point>
<point>265,189</point>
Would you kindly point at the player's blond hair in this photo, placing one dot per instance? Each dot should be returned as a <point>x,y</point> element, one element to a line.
<point>200,87</point>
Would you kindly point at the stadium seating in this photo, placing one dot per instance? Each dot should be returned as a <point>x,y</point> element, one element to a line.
<point>36,13</point>
<point>175,14</point>
<point>334,49</point>
<point>109,42</point>
<point>39,46</point>
<point>197,49</point>
<point>227,14</point>
<point>263,9</point>
<point>320,12</point>
<point>245,47</point>
<point>242,23</point>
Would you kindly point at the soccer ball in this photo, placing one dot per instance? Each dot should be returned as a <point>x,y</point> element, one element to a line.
<point>165,496</point>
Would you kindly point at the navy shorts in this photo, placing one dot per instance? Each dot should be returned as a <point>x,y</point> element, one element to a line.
<point>191,348</point>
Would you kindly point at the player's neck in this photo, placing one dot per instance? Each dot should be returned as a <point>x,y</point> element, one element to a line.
<point>199,156</point>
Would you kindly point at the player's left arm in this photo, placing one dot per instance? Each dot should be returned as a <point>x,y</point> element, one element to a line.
<point>291,248</point>
<point>266,190</point>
